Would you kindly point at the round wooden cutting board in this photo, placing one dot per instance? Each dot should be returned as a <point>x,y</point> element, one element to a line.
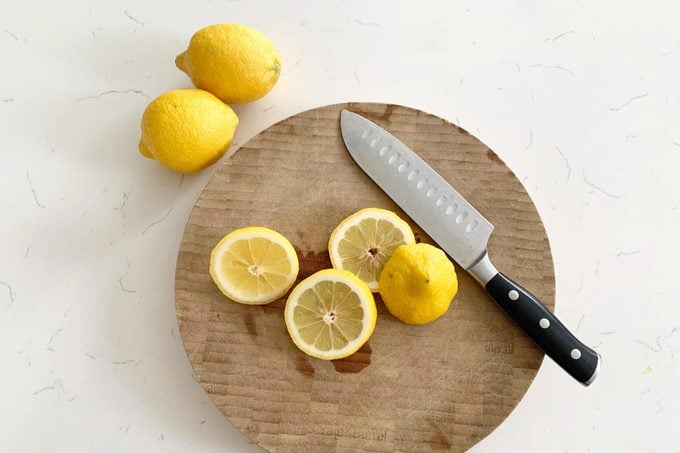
<point>442,386</point>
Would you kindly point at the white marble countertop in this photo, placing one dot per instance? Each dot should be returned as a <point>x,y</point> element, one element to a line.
<point>579,98</point>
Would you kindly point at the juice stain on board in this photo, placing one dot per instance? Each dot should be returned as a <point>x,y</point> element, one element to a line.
<point>356,362</point>
<point>304,366</point>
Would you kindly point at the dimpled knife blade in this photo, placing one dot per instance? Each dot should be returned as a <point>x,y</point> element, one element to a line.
<point>420,191</point>
<point>463,233</point>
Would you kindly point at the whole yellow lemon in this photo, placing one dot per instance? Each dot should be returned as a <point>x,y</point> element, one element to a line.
<point>234,62</point>
<point>187,130</point>
<point>418,283</point>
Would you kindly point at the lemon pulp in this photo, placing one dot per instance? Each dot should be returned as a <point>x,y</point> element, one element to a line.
<point>254,265</point>
<point>364,241</point>
<point>331,314</point>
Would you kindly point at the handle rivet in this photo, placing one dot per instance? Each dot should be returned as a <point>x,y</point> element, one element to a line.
<point>575,354</point>
<point>544,323</point>
<point>513,295</point>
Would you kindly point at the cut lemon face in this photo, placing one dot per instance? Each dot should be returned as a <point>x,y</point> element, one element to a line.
<point>364,241</point>
<point>254,265</point>
<point>330,314</point>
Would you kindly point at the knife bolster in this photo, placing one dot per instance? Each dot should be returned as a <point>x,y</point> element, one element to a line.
<point>483,270</point>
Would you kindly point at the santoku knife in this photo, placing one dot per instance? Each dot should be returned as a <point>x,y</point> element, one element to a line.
<point>463,233</point>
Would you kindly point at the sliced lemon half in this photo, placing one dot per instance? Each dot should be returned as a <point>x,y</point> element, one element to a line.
<point>330,314</point>
<point>364,241</point>
<point>254,265</point>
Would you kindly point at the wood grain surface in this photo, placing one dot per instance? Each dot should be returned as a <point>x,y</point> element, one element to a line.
<point>442,386</point>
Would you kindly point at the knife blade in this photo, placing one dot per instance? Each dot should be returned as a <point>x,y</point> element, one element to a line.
<point>463,233</point>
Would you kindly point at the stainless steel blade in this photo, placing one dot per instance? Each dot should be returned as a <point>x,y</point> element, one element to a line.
<point>419,190</point>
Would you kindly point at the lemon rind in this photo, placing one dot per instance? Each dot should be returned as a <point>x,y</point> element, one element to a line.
<point>247,234</point>
<point>365,296</point>
<point>353,220</point>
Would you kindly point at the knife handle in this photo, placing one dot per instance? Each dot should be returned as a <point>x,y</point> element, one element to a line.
<point>577,359</point>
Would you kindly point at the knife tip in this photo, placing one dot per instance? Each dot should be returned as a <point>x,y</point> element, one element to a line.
<point>345,116</point>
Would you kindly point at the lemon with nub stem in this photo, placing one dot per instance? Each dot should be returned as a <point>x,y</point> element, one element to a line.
<point>418,283</point>
<point>187,130</point>
<point>234,62</point>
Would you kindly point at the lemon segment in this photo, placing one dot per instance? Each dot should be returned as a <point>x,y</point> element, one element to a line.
<point>330,314</point>
<point>418,283</point>
<point>364,241</point>
<point>254,265</point>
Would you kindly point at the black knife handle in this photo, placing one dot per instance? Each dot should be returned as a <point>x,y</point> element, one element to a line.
<point>577,359</point>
